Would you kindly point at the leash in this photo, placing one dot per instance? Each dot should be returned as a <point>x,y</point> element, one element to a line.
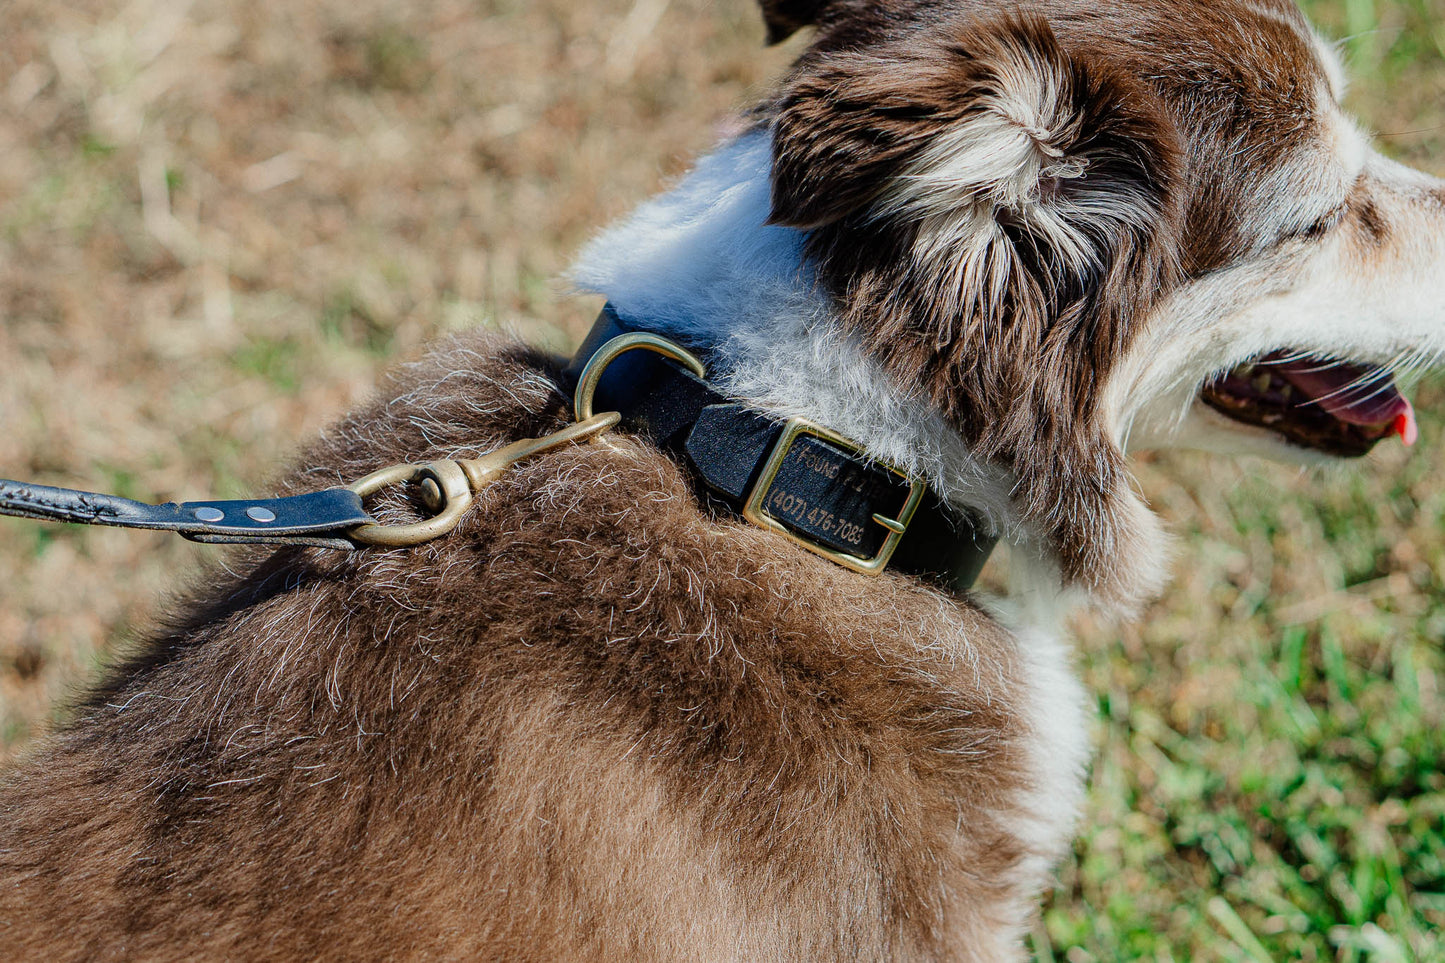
<point>792,477</point>
<point>332,518</point>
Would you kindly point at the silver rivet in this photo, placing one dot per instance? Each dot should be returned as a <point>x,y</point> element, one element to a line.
<point>209,514</point>
<point>259,514</point>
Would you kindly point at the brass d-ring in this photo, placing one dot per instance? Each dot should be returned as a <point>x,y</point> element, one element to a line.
<point>609,352</point>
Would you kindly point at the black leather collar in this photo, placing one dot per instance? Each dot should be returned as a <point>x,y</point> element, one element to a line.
<point>815,487</point>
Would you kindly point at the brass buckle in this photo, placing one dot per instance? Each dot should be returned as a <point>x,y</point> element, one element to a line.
<point>755,512</point>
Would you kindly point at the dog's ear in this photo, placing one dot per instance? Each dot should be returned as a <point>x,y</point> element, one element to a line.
<point>786,17</point>
<point>994,216</point>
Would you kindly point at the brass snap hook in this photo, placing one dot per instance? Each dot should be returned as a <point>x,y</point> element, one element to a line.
<point>482,471</point>
<point>449,487</point>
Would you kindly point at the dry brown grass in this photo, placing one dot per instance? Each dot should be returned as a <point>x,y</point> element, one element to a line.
<point>218,219</point>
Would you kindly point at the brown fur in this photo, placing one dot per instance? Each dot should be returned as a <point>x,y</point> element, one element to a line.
<point>540,738</point>
<point>1017,376</point>
<point>1178,109</point>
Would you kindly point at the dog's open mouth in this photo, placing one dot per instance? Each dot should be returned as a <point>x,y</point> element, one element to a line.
<point>1317,402</point>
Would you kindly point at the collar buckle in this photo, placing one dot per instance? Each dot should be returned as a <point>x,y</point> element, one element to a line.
<point>784,512</point>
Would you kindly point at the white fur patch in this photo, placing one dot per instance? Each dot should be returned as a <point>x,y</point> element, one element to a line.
<point>1057,710</point>
<point>1329,58</point>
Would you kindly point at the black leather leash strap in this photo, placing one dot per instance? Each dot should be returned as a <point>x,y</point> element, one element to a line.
<point>316,518</point>
<point>822,493</point>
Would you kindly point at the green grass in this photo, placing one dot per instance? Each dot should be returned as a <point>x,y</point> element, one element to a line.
<point>1270,777</point>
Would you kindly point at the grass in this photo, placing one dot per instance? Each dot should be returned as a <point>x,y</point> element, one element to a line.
<point>220,220</point>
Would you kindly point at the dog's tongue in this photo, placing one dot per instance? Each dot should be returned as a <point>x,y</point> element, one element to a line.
<point>1353,394</point>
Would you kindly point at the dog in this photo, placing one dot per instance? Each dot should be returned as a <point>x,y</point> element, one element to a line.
<point>971,250</point>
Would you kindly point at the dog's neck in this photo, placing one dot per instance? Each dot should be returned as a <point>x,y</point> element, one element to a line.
<point>701,264</point>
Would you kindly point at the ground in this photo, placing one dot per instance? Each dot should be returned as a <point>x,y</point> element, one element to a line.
<point>220,219</point>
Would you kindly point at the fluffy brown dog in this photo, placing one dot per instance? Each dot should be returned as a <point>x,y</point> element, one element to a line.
<point>594,723</point>
<point>608,719</point>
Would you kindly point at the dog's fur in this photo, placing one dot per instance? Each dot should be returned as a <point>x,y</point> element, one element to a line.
<point>601,721</point>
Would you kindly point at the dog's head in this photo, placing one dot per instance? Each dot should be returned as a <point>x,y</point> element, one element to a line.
<point>1102,224</point>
